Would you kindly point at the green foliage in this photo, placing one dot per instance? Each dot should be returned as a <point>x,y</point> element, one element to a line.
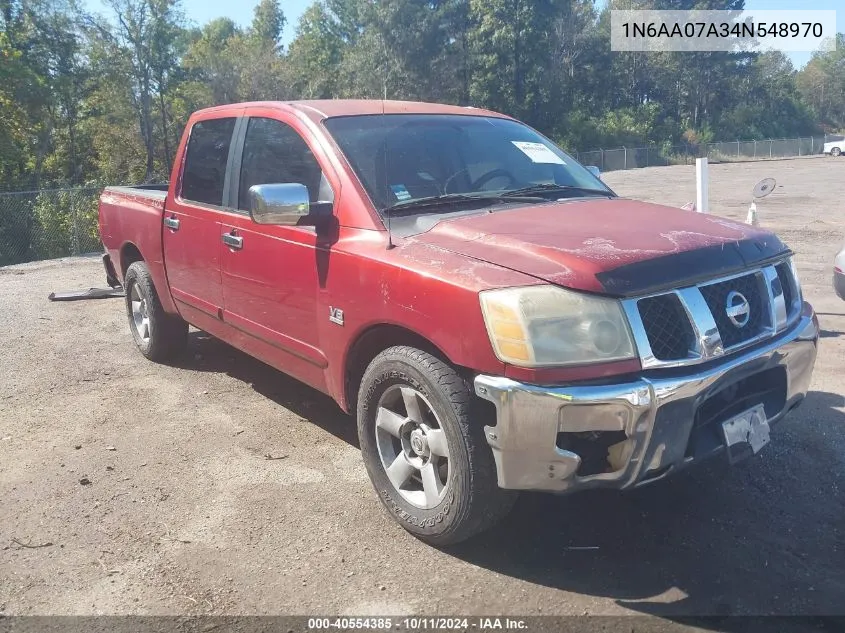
<point>104,98</point>
<point>13,132</point>
<point>56,227</point>
<point>268,22</point>
<point>315,54</point>
<point>65,223</point>
<point>510,44</point>
<point>629,126</point>
<point>822,85</point>
<point>226,65</point>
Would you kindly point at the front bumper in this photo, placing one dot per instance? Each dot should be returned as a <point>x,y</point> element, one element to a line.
<point>659,422</point>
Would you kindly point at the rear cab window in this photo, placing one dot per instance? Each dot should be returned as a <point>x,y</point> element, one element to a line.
<point>206,158</point>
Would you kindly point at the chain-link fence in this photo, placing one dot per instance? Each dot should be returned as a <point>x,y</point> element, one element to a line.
<point>46,224</point>
<point>727,151</point>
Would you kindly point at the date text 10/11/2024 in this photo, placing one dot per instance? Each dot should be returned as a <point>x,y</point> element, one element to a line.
<point>418,623</point>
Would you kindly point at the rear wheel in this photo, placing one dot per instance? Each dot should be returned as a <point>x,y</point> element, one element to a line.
<point>425,452</point>
<point>158,335</point>
<point>835,151</point>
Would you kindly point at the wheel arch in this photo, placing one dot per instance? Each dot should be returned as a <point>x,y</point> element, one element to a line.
<point>129,254</point>
<point>368,344</point>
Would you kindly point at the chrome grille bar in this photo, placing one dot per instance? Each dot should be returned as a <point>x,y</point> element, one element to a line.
<point>777,303</point>
<point>703,323</point>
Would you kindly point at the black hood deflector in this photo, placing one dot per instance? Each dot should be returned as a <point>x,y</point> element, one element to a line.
<point>690,267</point>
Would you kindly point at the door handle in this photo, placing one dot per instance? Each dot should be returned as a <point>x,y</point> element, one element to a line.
<point>172,223</point>
<point>233,241</point>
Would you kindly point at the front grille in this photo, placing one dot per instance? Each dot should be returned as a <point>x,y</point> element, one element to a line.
<point>695,324</point>
<point>716,296</point>
<point>667,326</point>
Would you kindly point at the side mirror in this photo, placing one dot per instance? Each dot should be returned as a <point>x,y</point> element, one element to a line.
<point>595,171</point>
<point>283,204</point>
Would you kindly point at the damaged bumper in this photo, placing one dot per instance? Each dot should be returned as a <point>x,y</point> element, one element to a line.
<point>563,439</point>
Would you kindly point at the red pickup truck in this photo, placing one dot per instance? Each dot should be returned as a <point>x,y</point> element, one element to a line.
<point>493,315</point>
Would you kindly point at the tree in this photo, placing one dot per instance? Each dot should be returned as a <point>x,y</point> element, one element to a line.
<point>315,54</point>
<point>166,47</point>
<point>822,85</point>
<point>511,50</point>
<point>209,64</point>
<point>224,64</point>
<point>268,23</point>
<point>140,48</point>
<point>424,46</point>
<point>773,108</point>
<point>15,132</point>
<point>103,99</point>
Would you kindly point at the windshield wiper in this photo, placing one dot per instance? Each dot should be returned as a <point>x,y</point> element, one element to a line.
<point>444,200</point>
<point>545,188</point>
<point>532,194</point>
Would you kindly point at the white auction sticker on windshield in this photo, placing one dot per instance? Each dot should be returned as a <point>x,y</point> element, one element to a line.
<point>538,153</point>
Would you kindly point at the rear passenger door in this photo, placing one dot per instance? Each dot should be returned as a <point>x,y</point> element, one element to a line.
<point>192,219</point>
<point>270,279</point>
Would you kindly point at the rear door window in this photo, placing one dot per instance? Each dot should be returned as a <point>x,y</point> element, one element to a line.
<point>204,175</point>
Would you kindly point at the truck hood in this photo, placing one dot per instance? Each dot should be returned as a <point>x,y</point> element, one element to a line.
<point>618,246</point>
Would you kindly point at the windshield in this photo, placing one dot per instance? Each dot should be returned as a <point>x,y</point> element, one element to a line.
<point>400,158</point>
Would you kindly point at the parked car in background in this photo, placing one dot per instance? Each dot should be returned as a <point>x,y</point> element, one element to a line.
<point>834,147</point>
<point>492,314</point>
<point>839,273</point>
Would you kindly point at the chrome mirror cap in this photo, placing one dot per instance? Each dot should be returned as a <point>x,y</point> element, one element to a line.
<point>283,204</point>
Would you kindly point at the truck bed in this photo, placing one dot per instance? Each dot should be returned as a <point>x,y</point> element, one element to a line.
<point>135,213</point>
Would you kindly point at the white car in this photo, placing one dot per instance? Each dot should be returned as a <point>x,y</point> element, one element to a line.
<point>835,148</point>
<point>839,274</point>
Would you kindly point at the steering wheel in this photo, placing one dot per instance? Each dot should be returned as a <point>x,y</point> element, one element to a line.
<point>482,179</point>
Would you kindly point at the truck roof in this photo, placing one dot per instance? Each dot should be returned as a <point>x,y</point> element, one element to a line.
<point>326,108</point>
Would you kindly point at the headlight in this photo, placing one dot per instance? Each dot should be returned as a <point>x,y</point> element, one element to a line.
<point>535,326</point>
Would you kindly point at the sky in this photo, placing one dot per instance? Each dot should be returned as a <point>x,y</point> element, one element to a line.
<point>800,59</point>
<point>202,11</point>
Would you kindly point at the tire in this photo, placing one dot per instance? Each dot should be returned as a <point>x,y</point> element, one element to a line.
<point>401,388</point>
<point>158,335</point>
<point>835,151</point>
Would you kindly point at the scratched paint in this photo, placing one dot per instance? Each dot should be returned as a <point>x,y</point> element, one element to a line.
<point>441,264</point>
<point>570,242</point>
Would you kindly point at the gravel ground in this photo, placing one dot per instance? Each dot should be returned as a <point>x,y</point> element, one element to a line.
<point>220,486</point>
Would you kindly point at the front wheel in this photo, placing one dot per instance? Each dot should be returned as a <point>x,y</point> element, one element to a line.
<point>835,151</point>
<point>158,335</point>
<point>425,454</point>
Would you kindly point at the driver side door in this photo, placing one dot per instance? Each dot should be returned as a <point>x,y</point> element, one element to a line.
<point>269,272</point>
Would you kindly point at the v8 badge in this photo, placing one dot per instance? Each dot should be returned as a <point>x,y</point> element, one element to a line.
<point>336,315</point>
